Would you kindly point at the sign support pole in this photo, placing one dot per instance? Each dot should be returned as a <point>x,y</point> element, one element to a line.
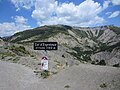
<point>46,53</point>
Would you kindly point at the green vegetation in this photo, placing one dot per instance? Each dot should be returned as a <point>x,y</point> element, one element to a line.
<point>100,33</point>
<point>45,74</point>
<point>93,62</point>
<point>67,86</point>
<point>2,57</point>
<point>85,55</point>
<point>6,54</point>
<point>15,60</point>
<point>117,45</point>
<point>103,85</point>
<point>45,32</point>
<point>102,62</point>
<point>19,50</point>
<point>67,27</point>
<point>115,29</point>
<point>6,47</point>
<point>96,31</point>
<point>81,55</point>
<point>116,65</point>
<point>12,57</point>
<point>37,72</point>
<point>94,38</point>
<point>39,33</point>
<point>90,34</point>
<point>104,47</point>
<point>80,33</point>
<point>63,56</point>
<point>32,55</point>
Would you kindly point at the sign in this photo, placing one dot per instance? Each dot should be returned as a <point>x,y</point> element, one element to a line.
<point>45,46</point>
<point>44,63</point>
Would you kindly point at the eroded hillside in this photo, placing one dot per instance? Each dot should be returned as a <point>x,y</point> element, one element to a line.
<point>96,45</point>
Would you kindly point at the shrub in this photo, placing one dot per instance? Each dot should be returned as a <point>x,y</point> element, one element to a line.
<point>5,54</point>
<point>115,29</point>
<point>23,48</point>
<point>5,47</point>
<point>45,74</point>
<point>15,60</point>
<point>93,62</point>
<point>19,50</point>
<point>63,56</point>
<point>81,55</point>
<point>67,86</point>
<point>102,62</point>
<point>2,57</point>
<point>32,55</point>
<point>103,85</point>
<point>116,65</point>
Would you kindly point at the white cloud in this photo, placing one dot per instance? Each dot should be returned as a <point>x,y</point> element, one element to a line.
<point>106,4</point>
<point>9,28</point>
<point>51,12</point>
<point>20,20</point>
<point>27,4</point>
<point>114,14</point>
<point>115,2</point>
<point>44,9</point>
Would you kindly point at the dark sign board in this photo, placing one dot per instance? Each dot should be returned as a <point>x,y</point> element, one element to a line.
<point>45,46</point>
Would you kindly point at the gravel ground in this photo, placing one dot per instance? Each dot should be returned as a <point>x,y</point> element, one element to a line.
<point>17,77</point>
<point>81,77</point>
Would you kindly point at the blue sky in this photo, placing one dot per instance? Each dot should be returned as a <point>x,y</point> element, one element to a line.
<point>19,15</point>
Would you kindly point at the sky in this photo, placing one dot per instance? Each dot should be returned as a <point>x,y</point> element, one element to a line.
<point>19,15</point>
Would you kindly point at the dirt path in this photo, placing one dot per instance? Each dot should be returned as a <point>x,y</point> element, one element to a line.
<point>82,77</point>
<point>87,77</point>
<point>18,77</point>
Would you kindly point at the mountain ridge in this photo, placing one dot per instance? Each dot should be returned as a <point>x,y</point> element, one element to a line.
<point>84,44</point>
